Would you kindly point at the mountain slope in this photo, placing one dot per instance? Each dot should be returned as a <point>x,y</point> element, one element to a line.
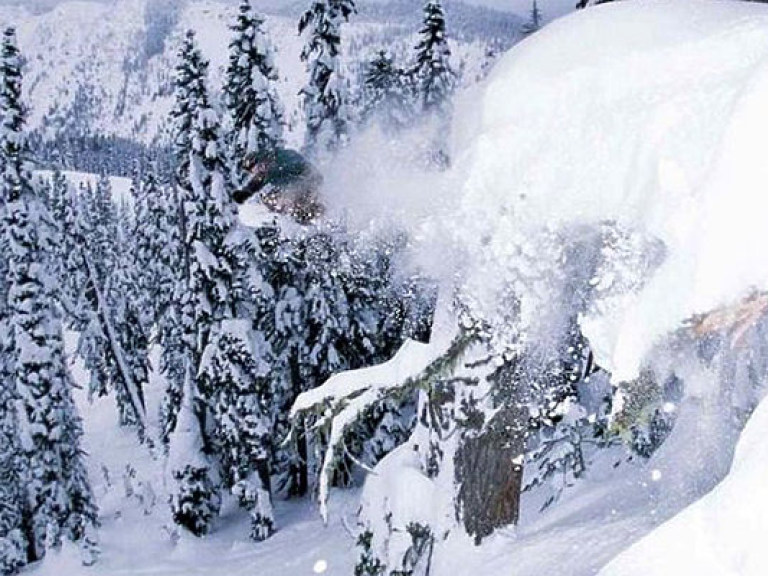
<point>106,68</point>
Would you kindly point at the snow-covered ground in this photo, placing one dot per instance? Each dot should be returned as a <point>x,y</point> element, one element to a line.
<point>723,534</point>
<point>139,537</point>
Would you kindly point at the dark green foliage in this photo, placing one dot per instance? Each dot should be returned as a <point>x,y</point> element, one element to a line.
<point>197,502</point>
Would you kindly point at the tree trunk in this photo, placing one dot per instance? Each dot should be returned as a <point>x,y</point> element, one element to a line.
<point>489,467</point>
<point>300,483</point>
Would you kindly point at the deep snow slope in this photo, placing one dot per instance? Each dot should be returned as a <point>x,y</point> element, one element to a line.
<point>649,114</point>
<point>723,534</point>
<point>137,535</point>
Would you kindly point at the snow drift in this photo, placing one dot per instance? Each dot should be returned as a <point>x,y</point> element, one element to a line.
<point>651,115</point>
<point>724,533</point>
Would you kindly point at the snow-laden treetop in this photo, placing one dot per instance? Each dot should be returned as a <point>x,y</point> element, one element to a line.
<point>653,115</point>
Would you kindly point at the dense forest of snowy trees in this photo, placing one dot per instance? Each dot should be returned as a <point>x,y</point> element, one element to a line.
<point>262,330</point>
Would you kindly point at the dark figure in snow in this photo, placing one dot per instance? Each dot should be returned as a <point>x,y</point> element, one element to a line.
<point>285,182</point>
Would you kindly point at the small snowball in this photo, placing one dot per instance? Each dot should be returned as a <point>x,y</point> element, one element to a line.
<point>656,475</point>
<point>320,567</point>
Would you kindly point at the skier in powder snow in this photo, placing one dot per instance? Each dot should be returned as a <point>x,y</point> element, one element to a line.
<point>285,182</point>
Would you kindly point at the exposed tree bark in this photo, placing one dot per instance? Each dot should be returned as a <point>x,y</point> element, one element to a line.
<point>300,472</point>
<point>132,389</point>
<point>489,466</point>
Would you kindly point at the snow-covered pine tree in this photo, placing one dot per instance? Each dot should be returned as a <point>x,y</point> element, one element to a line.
<point>434,77</point>
<point>13,533</point>
<point>195,501</point>
<point>190,95</point>
<point>435,80</point>
<point>155,249</point>
<point>58,499</point>
<point>234,371</point>
<point>251,96</point>
<point>235,360</point>
<point>13,542</point>
<point>225,364</point>
<point>324,95</point>
<point>534,19</point>
<point>201,185</point>
<point>386,92</point>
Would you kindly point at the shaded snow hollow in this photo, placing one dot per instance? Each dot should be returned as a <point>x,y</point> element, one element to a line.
<point>653,115</point>
<point>723,534</point>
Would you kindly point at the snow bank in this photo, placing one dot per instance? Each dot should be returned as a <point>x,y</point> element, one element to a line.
<point>723,533</point>
<point>659,126</point>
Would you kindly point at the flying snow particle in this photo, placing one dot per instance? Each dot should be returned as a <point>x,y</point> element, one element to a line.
<point>320,567</point>
<point>669,407</point>
<point>656,475</point>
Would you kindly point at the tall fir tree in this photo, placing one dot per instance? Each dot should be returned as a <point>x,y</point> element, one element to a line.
<point>190,96</point>
<point>435,81</point>
<point>434,77</point>
<point>534,19</point>
<point>251,96</point>
<point>57,500</point>
<point>324,95</point>
<point>112,342</point>
<point>155,248</point>
<point>199,168</point>
<point>386,93</point>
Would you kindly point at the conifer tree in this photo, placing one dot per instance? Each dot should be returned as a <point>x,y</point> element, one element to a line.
<point>434,77</point>
<point>251,97</point>
<point>200,181</point>
<point>155,252</point>
<point>435,80</point>
<point>324,95</point>
<point>386,92</point>
<point>222,361</point>
<point>112,342</point>
<point>13,542</point>
<point>534,20</point>
<point>190,96</point>
<point>58,499</point>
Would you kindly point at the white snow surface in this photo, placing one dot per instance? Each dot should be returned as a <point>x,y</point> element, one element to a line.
<point>659,126</point>
<point>722,534</point>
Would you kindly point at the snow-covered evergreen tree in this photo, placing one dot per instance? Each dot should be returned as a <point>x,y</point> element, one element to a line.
<point>434,77</point>
<point>435,81</point>
<point>235,370</point>
<point>190,96</point>
<point>155,248</point>
<point>13,542</point>
<point>207,281</point>
<point>225,365</point>
<point>58,499</point>
<point>534,19</point>
<point>251,96</point>
<point>324,95</point>
<point>386,92</point>
<point>112,341</point>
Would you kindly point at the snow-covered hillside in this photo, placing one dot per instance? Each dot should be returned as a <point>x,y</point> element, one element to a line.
<point>106,67</point>
<point>722,534</point>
